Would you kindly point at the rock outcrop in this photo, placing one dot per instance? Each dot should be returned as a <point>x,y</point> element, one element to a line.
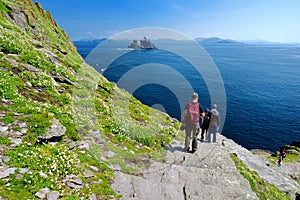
<point>144,43</point>
<point>208,174</point>
<point>279,177</point>
<point>54,132</point>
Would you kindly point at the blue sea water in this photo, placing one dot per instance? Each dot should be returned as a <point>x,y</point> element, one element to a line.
<point>262,84</point>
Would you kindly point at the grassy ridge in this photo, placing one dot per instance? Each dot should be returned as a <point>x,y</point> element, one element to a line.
<point>42,77</point>
<point>263,189</point>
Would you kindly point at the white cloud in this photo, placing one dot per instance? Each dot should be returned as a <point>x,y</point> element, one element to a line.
<point>219,33</point>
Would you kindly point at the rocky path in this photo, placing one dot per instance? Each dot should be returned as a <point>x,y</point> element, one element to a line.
<point>281,178</point>
<point>208,174</point>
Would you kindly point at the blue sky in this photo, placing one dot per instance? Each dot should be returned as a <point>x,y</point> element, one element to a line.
<point>272,20</point>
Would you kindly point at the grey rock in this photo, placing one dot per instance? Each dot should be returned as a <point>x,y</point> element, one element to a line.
<point>6,172</point>
<point>5,159</point>
<point>110,154</point>
<point>24,130</point>
<point>18,134</point>
<point>42,193</point>
<point>73,181</point>
<point>12,62</point>
<point>55,130</point>
<point>4,100</point>
<point>24,170</point>
<point>73,185</point>
<point>94,168</point>
<point>29,84</point>
<point>23,125</point>
<point>88,174</point>
<point>71,145</point>
<point>61,79</point>
<point>272,174</point>
<point>83,145</point>
<point>53,195</point>
<point>54,59</point>
<point>19,18</point>
<point>30,68</point>
<point>15,141</point>
<point>3,128</point>
<point>208,174</point>
<point>92,197</point>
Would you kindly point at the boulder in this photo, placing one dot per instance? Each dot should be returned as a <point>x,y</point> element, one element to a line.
<point>15,141</point>
<point>88,174</point>
<point>83,145</point>
<point>92,197</point>
<point>4,159</point>
<point>55,131</point>
<point>61,79</point>
<point>6,172</point>
<point>42,193</point>
<point>19,18</point>
<point>53,195</point>
<point>73,181</point>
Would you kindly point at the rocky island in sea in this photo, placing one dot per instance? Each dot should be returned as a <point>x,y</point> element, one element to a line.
<point>144,43</point>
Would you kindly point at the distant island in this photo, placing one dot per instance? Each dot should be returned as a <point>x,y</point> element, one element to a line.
<point>144,43</point>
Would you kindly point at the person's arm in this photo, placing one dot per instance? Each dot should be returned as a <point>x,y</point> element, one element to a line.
<point>184,115</point>
<point>200,110</point>
<point>219,120</point>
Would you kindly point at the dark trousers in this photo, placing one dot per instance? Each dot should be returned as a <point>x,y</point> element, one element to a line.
<point>204,131</point>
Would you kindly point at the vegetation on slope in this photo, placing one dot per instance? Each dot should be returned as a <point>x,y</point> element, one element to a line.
<point>262,188</point>
<point>42,77</point>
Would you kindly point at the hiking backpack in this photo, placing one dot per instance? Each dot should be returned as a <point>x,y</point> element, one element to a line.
<point>214,115</point>
<point>193,113</point>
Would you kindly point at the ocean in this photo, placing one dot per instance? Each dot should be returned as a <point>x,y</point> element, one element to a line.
<point>262,84</point>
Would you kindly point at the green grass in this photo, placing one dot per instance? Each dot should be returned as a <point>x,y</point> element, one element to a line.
<point>5,140</point>
<point>99,105</point>
<point>263,189</point>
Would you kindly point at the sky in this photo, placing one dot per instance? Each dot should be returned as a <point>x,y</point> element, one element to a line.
<point>271,20</point>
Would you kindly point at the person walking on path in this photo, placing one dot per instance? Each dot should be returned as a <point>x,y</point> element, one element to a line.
<point>205,124</point>
<point>214,124</point>
<point>282,155</point>
<point>191,117</point>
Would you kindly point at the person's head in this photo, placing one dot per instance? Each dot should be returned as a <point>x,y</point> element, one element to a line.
<point>194,97</point>
<point>206,110</point>
<point>214,106</point>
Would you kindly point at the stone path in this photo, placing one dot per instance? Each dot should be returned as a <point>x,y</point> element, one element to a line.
<point>208,174</point>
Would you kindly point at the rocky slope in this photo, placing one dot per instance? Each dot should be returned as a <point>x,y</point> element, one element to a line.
<point>58,116</point>
<point>68,133</point>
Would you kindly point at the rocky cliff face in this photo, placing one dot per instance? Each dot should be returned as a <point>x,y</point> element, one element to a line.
<point>68,133</point>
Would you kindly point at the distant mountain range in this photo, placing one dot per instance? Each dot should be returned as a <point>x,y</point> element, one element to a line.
<point>213,40</point>
<point>201,40</point>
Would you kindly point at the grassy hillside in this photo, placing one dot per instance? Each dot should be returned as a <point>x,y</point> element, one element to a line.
<point>42,78</point>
